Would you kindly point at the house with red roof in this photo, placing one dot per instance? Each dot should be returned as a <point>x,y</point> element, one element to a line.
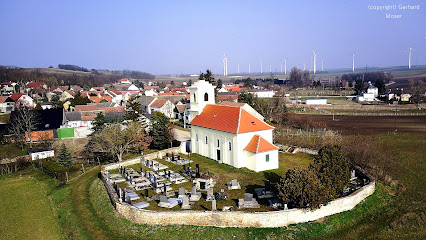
<point>6,104</point>
<point>35,86</point>
<point>162,105</point>
<point>230,133</point>
<point>22,99</point>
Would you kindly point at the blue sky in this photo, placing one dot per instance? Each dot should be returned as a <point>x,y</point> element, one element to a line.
<point>173,37</point>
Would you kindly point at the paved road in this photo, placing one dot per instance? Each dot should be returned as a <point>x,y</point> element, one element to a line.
<point>181,135</point>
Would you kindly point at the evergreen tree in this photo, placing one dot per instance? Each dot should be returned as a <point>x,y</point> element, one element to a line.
<point>161,133</point>
<point>64,157</point>
<point>359,87</point>
<point>99,122</point>
<point>133,110</point>
<point>332,169</point>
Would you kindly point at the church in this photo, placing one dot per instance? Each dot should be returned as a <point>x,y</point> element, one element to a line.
<point>231,133</point>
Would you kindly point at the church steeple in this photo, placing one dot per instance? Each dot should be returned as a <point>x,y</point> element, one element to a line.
<point>201,94</point>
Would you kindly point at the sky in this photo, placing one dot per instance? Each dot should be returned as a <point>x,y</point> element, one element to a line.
<point>188,37</point>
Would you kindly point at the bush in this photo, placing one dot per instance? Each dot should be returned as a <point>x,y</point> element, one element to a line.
<point>55,170</point>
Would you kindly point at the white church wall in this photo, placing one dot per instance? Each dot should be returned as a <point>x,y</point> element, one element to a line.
<point>262,164</point>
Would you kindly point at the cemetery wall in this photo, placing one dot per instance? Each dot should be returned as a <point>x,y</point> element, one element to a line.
<point>137,160</point>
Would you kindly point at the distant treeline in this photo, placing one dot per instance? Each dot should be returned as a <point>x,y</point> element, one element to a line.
<point>51,78</point>
<point>72,67</point>
<point>368,76</point>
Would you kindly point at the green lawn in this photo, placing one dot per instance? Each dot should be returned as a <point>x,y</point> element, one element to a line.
<point>25,210</point>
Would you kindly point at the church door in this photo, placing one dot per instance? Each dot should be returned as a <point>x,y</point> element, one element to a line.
<point>218,155</point>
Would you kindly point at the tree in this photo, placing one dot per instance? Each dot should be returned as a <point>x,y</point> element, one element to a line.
<point>56,102</point>
<point>381,86</point>
<point>208,76</point>
<point>246,97</point>
<point>301,187</point>
<point>306,78</point>
<point>133,110</point>
<point>417,88</point>
<point>38,107</point>
<point>332,169</point>
<point>160,131</point>
<point>64,157</point>
<point>22,123</point>
<point>359,86</point>
<point>296,77</point>
<point>79,100</point>
<point>248,83</point>
<point>99,122</point>
<point>118,138</point>
<point>219,83</point>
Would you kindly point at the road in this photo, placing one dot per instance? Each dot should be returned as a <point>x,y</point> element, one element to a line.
<point>181,135</point>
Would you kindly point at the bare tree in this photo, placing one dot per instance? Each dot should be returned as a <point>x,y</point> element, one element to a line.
<point>23,122</point>
<point>418,88</point>
<point>118,138</point>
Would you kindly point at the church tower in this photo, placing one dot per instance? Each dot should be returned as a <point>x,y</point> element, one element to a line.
<point>201,94</point>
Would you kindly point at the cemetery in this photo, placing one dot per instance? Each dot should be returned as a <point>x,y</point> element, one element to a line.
<point>178,184</point>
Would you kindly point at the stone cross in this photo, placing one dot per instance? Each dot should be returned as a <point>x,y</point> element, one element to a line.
<point>214,207</point>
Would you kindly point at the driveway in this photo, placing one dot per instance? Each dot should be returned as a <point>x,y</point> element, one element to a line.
<point>181,135</point>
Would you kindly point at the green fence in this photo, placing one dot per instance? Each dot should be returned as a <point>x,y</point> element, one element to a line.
<point>65,132</point>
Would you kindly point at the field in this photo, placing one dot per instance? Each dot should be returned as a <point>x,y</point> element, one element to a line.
<point>83,211</point>
<point>371,125</point>
<point>25,210</point>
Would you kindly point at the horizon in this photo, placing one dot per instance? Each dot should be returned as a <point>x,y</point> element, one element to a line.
<point>173,38</point>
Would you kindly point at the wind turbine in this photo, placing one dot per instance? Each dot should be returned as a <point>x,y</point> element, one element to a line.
<point>225,65</point>
<point>238,68</point>
<point>285,65</point>
<point>409,57</point>
<point>315,61</point>
<point>353,62</point>
<point>249,68</point>
<point>261,66</point>
<point>281,67</point>
<point>270,68</point>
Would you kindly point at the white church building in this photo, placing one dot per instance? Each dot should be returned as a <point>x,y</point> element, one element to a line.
<point>229,133</point>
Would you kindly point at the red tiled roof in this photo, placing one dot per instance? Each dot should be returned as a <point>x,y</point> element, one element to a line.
<point>180,108</point>
<point>99,99</point>
<point>16,96</point>
<point>88,118</point>
<point>226,97</point>
<point>3,99</point>
<point>170,94</point>
<point>234,104</point>
<point>229,119</point>
<point>258,144</point>
<point>85,108</point>
<point>113,109</point>
<point>158,103</point>
<point>35,85</point>
<point>115,91</point>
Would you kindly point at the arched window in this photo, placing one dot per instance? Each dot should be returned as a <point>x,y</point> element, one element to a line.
<point>195,99</point>
<point>206,140</point>
<point>217,143</point>
<point>196,137</point>
<point>206,96</point>
<point>229,146</point>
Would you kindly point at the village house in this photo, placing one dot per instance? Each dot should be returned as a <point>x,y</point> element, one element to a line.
<point>22,99</point>
<point>6,104</point>
<point>229,134</point>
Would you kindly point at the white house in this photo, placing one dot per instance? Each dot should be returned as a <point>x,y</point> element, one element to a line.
<point>40,153</point>
<point>365,97</point>
<point>372,89</point>
<point>316,101</point>
<point>263,93</point>
<point>229,134</point>
<point>6,104</point>
<point>162,105</point>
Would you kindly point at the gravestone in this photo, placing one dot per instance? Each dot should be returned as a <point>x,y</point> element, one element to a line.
<point>181,192</point>
<point>163,199</point>
<point>248,197</point>
<point>210,195</point>
<point>120,194</point>
<point>185,203</point>
<point>167,154</point>
<point>285,207</point>
<point>194,195</point>
<point>146,193</point>
<point>197,173</point>
<point>214,208</point>
<point>267,186</point>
